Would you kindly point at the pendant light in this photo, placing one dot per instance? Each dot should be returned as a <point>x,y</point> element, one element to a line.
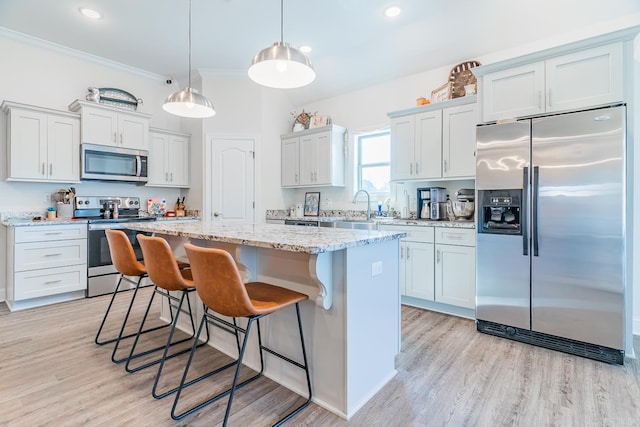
<point>281,66</point>
<point>188,102</point>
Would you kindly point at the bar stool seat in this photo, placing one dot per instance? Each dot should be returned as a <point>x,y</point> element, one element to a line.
<point>126,263</point>
<point>220,287</point>
<point>167,277</point>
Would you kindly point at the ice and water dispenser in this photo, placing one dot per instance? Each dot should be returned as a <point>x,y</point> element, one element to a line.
<point>500,211</point>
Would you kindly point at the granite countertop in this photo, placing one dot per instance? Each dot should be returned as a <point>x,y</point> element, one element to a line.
<point>380,220</point>
<point>22,222</point>
<point>311,240</point>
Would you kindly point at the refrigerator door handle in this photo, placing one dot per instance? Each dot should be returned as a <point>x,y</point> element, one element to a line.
<point>523,213</point>
<point>534,210</point>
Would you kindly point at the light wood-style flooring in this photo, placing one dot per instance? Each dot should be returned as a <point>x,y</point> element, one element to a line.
<point>52,374</point>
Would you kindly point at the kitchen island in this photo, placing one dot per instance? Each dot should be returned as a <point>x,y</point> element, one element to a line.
<point>352,319</point>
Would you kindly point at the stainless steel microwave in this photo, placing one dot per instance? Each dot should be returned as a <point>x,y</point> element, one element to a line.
<point>104,163</point>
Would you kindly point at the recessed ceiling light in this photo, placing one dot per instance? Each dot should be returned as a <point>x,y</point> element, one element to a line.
<point>90,13</point>
<point>305,49</point>
<point>392,11</point>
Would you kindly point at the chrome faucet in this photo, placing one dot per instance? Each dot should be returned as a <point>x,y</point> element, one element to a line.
<point>355,199</point>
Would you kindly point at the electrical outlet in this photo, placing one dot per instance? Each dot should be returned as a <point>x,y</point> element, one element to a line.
<point>47,197</point>
<point>376,268</point>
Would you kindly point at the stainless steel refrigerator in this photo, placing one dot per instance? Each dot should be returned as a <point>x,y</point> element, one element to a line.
<point>550,231</point>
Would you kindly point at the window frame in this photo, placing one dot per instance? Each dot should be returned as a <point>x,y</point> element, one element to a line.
<point>359,165</point>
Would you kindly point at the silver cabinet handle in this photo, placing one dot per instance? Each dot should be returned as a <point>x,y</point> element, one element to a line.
<point>401,252</point>
<point>50,168</point>
<point>417,168</point>
<point>50,233</point>
<point>438,256</point>
<point>58,254</point>
<point>171,176</point>
<point>166,176</point>
<point>549,98</point>
<point>540,99</point>
<point>51,282</point>
<point>115,137</point>
<point>407,252</point>
<point>411,168</point>
<point>43,168</point>
<point>296,177</point>
<point>446,166</point>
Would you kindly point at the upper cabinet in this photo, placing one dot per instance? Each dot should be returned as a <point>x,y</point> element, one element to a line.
<point>581,79</point>
<point>434,141</point>
<point>168,159</point>
<point>43,145</point>
<point>313,158</point>
<point>112,126</point>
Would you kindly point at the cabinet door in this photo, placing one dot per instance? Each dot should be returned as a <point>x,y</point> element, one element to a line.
<point>290,170</point>
<point>157,165</point>
<point>459,141</point>
<point>27,145</point>
<point>100,126</point>
<point>178,156</point>
<point>133,132</point>
<point>323,165</point>
<point>514,92</point>
<point>428,145</point>
<point>402,143</point>
<point>455,281</point>
<point>419,274</point>
<point>63,148</point>
<point>583,79</point>
<point>308,155</point>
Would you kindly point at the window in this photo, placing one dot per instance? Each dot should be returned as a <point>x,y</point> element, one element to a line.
<point>374,152</point>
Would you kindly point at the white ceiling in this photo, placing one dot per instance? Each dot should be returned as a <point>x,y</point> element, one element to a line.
<point>354,44</point>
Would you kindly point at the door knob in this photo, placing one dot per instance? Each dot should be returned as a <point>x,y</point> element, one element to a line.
<point>217,214</point>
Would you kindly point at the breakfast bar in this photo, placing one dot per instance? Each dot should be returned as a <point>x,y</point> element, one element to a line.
<point>351,321</point>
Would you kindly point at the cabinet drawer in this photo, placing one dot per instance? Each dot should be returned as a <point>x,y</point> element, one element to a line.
<point>51,281</point>
<point>414,233</point>
<point>50,233</point>
<point>456,236</point>
<point>38,255</point>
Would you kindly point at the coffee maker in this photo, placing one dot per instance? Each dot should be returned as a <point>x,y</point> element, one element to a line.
<point>438,203</point>
<point>424,209</point>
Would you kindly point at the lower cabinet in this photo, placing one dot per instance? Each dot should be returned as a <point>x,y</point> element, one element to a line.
<point>437,268</point>
<point>46,264</point>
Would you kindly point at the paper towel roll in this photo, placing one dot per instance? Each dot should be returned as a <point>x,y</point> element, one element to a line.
<point>404,205</point>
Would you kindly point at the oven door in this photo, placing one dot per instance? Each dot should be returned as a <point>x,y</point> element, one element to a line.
<point>102,275</point>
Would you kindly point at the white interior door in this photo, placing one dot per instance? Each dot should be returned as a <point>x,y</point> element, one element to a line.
<point>230,175</point>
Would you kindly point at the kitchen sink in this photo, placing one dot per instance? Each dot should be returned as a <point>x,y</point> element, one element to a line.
<point>354,224</point>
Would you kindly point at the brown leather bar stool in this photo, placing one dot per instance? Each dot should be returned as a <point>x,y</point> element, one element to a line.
<point>125,261</point>
<point>167,277</point>
<point>219,285</point>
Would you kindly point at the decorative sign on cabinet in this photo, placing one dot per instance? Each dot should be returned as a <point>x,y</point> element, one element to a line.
<point>168,158</point>
<point>105,125</point>
<point>434,141</point>
<point>313,158</point>
<point>43,144</point>
<point>552,82</point>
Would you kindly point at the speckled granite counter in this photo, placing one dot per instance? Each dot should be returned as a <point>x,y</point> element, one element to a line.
<point>351,322</point>
<point>351,216</point>
<point>311,240</point>
<point>30,222</point>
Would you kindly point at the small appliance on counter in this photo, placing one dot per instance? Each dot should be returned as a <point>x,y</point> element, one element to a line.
<point>423,209</point>
<point>463,208</point>
<point>438,203</point>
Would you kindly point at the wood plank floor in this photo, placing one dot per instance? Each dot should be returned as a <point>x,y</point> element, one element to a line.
<point>52,374</point>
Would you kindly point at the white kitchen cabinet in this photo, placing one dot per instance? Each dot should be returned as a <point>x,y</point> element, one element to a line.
<point>455,271</point>
<point>459,140</point>
<point>46,264</point>
<point>313,158</point>
<point>104,125</point>
<point>416,261</point>
<point>43,145</point>
<point>416,146</point>
<point>576,80</point>
<point>436,143</point>
<point>168,159</point>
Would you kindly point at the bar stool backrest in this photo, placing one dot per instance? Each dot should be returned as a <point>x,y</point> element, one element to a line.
<point>161,263</point>
<point>122,255</point>
<point>218,281</point>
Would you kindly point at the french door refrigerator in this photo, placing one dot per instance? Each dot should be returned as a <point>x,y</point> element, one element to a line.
<point>550,231</point>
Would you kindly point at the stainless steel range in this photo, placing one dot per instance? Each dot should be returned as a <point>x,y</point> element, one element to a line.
<point>105,212</point>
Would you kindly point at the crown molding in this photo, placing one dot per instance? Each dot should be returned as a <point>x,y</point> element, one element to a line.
<point>45,44</point>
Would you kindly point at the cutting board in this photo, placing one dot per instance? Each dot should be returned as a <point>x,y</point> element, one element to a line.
<point>156,206</point>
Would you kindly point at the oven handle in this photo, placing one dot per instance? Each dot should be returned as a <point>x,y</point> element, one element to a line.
<point>111,225</point>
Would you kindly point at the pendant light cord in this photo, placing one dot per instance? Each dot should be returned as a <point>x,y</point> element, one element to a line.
<point>189,43</point>
<point>281,21</point>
